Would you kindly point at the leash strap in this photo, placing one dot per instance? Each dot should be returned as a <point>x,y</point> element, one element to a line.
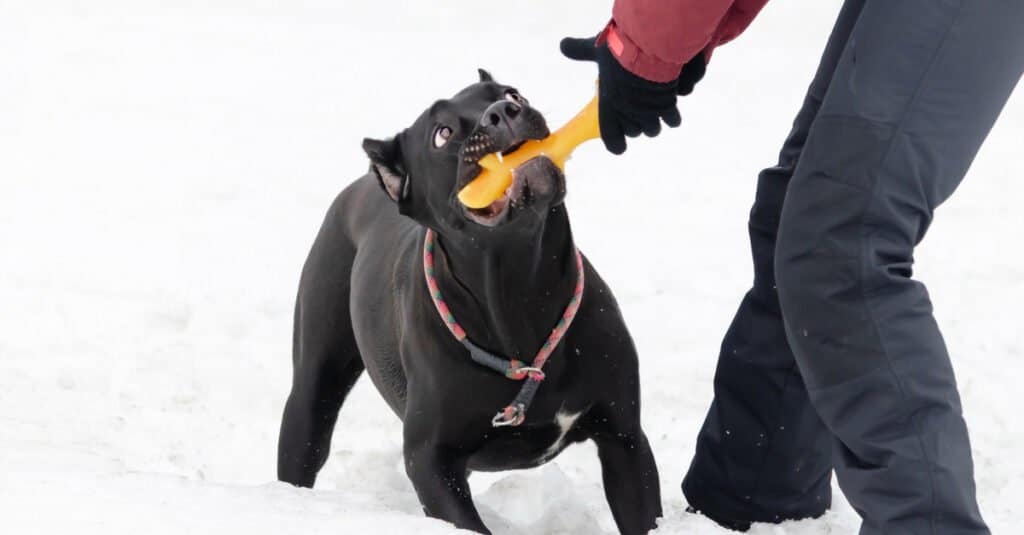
<point>515,413</point>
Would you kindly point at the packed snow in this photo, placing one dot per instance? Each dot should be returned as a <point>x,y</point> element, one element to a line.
<point>164,167</point>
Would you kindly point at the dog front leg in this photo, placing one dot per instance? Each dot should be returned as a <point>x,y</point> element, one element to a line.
<point>439,475</point>
<point>628,470</point>
<point>630,483</point>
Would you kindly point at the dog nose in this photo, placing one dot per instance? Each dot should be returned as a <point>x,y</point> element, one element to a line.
<point>499,112</point>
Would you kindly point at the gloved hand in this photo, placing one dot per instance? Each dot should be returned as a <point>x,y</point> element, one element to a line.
<point>627,103</point>
<point>690,74</point>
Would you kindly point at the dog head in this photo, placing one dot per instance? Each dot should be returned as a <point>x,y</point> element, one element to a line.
<point>423,168</point>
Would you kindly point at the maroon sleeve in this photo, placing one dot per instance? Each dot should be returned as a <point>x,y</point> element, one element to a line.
<point>740,15</point>
<point>655,38</point>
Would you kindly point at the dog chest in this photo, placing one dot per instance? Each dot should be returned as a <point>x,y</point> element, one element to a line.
<point>527,446</point>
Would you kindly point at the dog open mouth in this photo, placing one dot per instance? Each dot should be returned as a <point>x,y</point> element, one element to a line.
<point>497,211</point>
<point>536,179</point>
<point>494,213</point>
<point>532,180</point>
<point>518,193</point>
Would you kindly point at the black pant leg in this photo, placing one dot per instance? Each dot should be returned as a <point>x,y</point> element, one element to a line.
<point>763,453</point>
<point>913,97</point>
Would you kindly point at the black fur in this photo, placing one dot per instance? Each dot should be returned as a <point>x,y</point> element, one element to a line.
<point>363,304</point>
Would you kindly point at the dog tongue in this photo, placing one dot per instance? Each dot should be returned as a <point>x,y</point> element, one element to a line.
<point>496,175</point>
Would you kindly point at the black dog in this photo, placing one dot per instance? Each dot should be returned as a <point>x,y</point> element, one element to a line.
<point>507,272</point>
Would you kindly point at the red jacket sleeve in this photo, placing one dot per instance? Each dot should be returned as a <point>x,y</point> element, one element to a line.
<point>655,38</point>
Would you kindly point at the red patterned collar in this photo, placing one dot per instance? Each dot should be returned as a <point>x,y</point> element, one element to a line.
<point>515,413</point>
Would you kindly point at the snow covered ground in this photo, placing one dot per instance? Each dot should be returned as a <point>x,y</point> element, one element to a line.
<point>165,165</point>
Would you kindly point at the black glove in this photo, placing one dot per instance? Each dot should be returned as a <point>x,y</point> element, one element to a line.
<point>690,74</point>
<point>627,103</point>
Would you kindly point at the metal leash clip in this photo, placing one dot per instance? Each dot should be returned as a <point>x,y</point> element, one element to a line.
<point>510,416</point>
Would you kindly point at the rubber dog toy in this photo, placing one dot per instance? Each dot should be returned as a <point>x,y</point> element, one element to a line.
<point>496,175</point>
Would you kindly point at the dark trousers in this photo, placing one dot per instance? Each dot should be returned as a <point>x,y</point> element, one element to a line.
<point>834,359</point>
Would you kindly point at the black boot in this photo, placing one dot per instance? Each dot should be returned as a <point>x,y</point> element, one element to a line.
<point>728,523</point>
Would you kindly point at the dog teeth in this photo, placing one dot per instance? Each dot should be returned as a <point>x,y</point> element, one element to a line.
<point>477,145</point>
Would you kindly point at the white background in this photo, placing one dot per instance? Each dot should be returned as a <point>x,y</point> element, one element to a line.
<point>164,167</point>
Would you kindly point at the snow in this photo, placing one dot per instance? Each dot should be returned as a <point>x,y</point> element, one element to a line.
<point>165,166</point>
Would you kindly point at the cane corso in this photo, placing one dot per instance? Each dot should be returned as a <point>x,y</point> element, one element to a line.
<point>458,314</point>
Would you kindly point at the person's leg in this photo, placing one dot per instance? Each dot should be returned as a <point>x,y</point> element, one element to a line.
<point>915,93</point>
<point>763,454</point>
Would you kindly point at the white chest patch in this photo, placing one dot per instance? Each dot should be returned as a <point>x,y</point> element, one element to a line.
<point>565,421</point>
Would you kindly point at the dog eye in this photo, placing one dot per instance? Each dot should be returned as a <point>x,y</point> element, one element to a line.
<point>514,96</point>
<point>441,136</point>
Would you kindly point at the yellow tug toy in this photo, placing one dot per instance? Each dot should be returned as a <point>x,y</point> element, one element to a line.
<point>496,175</point>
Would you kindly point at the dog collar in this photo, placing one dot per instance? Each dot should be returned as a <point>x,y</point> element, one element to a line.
<point>515,413</point>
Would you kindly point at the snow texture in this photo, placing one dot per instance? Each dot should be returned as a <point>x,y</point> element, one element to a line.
<point>164,167</point>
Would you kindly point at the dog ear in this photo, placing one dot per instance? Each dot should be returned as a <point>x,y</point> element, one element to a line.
<point>386,165</point>
<point>485,76</point>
